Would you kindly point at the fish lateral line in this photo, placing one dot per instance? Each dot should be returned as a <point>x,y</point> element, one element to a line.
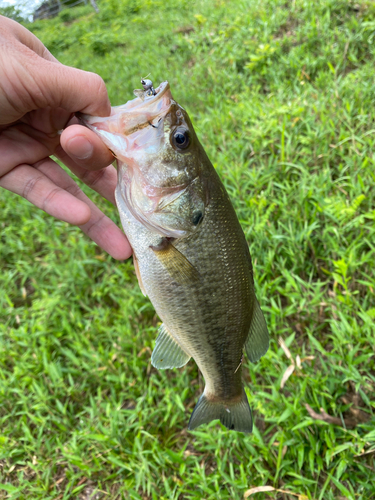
<point>235,371</point>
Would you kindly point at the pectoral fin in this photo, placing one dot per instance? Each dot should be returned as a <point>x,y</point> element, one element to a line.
<point>176,264</point>
<point>167,353</point>
<point>257,342</point>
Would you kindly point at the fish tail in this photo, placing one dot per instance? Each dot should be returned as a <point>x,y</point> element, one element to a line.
<point>235,415</point>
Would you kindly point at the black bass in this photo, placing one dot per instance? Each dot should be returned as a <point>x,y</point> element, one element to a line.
<point>190,253</point>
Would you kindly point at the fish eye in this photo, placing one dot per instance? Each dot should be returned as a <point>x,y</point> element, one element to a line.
<point>181,138</point>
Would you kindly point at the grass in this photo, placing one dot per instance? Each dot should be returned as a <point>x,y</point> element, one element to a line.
<point>282,96</point>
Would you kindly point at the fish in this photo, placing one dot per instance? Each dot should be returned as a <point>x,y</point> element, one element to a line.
<point>190,253</point>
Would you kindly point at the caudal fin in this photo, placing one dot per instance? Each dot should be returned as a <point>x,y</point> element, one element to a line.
<point>235,416</point>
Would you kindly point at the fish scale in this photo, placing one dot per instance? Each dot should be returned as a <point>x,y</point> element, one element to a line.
<point>191,256</point>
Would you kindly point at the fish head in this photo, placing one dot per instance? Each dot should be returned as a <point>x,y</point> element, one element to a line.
<point>160,176</point>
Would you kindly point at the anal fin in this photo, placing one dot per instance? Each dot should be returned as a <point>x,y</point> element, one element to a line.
<point>177,265</point>
<point>167,352</point>
<point>257,342</point>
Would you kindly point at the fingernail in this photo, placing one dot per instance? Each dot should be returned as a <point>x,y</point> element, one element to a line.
<point>80,147</point>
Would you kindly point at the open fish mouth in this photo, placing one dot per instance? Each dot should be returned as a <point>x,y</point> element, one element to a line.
<point>134,115</point>
<point>120,131</point>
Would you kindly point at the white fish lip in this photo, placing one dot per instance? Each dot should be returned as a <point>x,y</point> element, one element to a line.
<point>133,105</point>
<point>116,130</point>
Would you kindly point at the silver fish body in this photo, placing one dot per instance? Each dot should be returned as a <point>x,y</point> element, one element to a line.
<point>190,253</point>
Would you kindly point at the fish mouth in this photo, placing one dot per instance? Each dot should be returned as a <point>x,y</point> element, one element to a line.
<point>116,130</point>
<point>136,113</point>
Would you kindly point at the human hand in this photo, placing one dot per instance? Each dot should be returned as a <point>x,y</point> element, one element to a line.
<point>38,97</point>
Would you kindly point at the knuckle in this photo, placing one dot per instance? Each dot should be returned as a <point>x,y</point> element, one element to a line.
<point>74,190</point>
<point>49,198</point>
<point>99,84</point>
<point>30,186</point>
<point>92,178</point>
<point>92,225</point>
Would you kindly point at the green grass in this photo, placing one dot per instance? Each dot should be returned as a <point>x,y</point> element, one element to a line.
<point>282,95</point>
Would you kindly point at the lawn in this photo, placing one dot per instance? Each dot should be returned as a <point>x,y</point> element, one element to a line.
<point>282,97</point>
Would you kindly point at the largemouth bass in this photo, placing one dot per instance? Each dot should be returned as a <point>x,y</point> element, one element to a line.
<point>190,253</point>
